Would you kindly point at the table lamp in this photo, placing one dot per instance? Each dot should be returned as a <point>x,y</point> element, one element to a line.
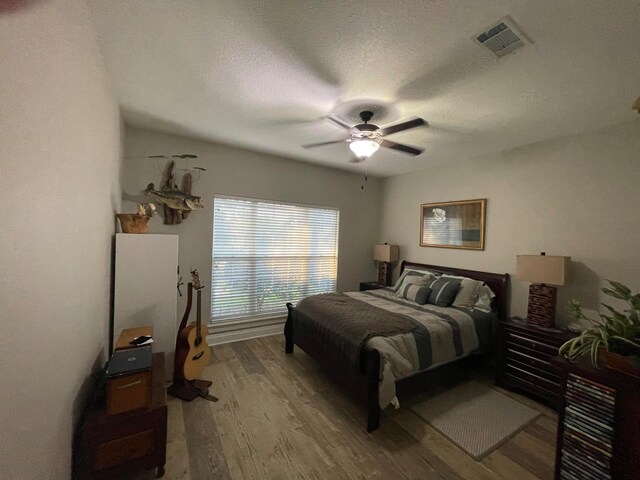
<point>385,254</point>
<point>542,270</point>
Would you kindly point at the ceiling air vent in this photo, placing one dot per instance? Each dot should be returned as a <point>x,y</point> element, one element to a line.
<point>502,38</point>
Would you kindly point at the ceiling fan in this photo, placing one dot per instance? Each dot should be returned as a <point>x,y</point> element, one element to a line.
<point>365,139</point>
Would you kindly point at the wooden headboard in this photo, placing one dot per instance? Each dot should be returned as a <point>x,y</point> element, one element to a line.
<point>497,282</point>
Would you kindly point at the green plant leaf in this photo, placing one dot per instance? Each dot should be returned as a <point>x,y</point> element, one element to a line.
<point>605,339</point>
<point>615,312</point>
<point>618,290</point>
<point>628,341</point>
<point>594,353</point>
<point>613,293</point>
<point>573,349</point>
<point>619,287</point>
<point>614,330</point>
<point>575,311</point>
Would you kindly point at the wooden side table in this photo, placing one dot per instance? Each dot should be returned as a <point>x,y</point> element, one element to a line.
<point>129,334</point>
<point>108,446</point>
<point>524,360</point>
<point>370,286</point>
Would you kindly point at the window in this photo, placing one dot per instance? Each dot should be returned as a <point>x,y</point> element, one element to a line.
<point>266,254</point>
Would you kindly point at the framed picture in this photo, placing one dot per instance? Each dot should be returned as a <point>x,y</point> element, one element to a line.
<point>453,224</point>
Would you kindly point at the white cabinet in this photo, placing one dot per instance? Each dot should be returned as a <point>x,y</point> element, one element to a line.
<point>145,288</point>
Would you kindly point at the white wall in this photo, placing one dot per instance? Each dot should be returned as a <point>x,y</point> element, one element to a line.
<point>578,196</point>
<point>59,187</point>
<point>234,171</point>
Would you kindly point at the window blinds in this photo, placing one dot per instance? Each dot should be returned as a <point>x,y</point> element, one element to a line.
<point>266,254</point>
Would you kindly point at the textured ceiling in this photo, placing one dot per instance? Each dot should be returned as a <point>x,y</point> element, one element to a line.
<point>259,74</point>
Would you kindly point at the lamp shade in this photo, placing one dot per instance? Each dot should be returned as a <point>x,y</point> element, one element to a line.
<point>364,148</point>
<point>385,253</point>
<point>548,269</point>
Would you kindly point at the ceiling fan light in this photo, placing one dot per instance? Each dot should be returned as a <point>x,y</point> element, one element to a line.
<point>364,148</point>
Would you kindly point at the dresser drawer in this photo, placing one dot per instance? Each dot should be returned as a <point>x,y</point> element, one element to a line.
<point>553,338</point>
<point>536,345</point>
<point>529,377</point>
<point>124,449</point>
<point>545,373</point>
<point>525,360</point>
<point>530,358</point>
<point>550,397</point>
<point>543,356</point>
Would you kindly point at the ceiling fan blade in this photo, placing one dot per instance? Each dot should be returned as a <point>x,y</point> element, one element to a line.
<point>401,147</point>
<point>312,145</point>
<point>338,122</point>
<point>416,122</point>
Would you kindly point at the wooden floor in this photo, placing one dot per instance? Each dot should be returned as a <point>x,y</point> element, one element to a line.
<point>280,417</point>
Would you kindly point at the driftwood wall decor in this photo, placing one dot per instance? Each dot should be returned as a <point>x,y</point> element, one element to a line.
<point>177,203</point>
<point>186,187</point>
<point>171,216</point>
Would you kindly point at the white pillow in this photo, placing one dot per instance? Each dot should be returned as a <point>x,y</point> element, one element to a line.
<point>468,293</point>
<point>485,295</point>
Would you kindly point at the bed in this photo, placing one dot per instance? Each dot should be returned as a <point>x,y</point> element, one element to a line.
<point>377,344</point>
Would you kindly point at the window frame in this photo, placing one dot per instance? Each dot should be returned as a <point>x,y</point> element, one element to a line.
<point>257,317</point>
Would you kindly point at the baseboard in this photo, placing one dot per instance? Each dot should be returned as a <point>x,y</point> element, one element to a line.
<point>218,338</point>
<point>244,324</point>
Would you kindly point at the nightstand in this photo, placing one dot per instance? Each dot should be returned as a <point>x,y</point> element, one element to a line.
<point>112,446</point>
<point>524,360</point>
<point>370,286</point>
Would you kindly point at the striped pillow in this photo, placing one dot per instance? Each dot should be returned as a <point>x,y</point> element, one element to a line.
<point>419,280</point>
<point>443,291</point>
<point>415,293</point>
<point>408,276</point>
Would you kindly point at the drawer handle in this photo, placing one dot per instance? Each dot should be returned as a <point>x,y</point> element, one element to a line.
<point>129,385</point>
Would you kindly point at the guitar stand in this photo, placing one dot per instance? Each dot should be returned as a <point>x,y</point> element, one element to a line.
<point>187,390</point>
<point>182,388</point>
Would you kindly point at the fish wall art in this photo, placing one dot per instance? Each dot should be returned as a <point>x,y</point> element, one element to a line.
<point>177,202</point>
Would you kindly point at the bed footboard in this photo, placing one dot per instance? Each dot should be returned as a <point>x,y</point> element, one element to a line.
<point>372,374</point>
<point>288,330</point>
<point>365,386</point>
<point>365,381</point>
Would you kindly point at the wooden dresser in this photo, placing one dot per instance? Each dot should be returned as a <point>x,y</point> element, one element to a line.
<point>524,360</point>
<point>108,446</point>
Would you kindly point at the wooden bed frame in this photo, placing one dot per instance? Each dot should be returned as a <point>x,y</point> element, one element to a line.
<point>365,385</point>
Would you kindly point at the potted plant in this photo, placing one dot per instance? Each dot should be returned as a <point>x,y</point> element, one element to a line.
<point>615,337</point>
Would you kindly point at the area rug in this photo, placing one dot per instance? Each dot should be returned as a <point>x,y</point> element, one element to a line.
<point>475,417</point>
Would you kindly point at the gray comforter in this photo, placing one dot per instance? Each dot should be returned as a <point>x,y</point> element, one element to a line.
<point>346,324</point>
<point>410,337</point>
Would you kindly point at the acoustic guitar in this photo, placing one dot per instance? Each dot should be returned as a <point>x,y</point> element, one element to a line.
<point>192,345</point>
